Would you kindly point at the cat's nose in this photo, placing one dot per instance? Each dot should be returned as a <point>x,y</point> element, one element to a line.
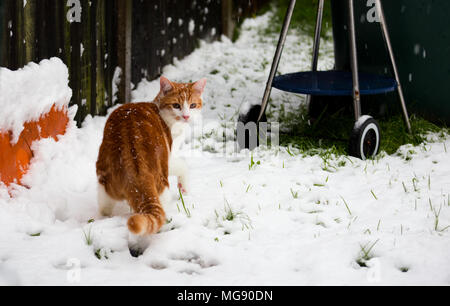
<point>186,117</point>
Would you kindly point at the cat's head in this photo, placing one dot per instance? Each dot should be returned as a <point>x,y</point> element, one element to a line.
<point>179,102</point>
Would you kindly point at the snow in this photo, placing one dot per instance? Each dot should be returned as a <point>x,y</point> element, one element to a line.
<point>116,83</point>
<point>191,27</point>
<point>30,92</point>
<point>286,219</point>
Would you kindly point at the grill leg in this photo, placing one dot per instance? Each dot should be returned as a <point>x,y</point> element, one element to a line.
<point>276,60</point>
<point>394,65</point>
<point>316,46</point>
<point>354,61</point>
<point>317,35</point>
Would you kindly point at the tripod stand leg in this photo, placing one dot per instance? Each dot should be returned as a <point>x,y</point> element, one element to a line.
<point>316,46</point>
<point>394,65</point>
<point>276,60</point>
<point>354,61</point>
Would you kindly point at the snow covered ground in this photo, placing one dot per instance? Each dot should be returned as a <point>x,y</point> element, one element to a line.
<point>282,220</point>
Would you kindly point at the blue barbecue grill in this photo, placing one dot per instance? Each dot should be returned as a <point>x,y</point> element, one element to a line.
<point>365,138</point>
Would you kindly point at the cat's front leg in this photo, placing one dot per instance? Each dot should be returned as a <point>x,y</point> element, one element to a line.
<point>178,168</point>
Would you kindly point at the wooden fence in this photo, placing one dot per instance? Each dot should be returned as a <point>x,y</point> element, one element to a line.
<point>137,36</point>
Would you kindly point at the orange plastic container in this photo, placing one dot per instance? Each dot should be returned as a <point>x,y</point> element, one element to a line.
<point>15,159</point>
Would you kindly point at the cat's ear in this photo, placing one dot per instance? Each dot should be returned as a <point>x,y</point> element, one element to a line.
<point>166,85</point>
<point>199,86</point>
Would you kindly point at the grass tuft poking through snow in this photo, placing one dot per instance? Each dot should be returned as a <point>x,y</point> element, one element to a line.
<point>366,253</point>
<point>186,210</point>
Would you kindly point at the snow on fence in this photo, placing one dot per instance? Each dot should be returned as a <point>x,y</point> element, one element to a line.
<point>140,37</point>
<point>33,105</point>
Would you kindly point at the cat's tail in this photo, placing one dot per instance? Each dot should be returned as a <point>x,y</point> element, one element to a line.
<point>147,224</point>
<point>150,215</point>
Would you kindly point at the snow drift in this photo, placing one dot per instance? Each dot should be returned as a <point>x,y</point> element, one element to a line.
<point>30,92</point>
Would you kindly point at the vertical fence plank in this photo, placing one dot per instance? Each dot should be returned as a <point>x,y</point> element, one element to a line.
<point>176,46</point>
<point>111,53</point>
<point>29,39</point>
<point>13,61</point>
<point>228,24</point>
<point>85,53</point>
<point>66,36</point>
<point>60,19</point>
<point>124,32</point>
<point>200,18</point>
<point>156,40</point>
<point>92,41</point>
<point>142,10</point>
<point>67,51</point>
<point>164,54</point>
<point>74,51</point>
<point>215,19</point>
<point>41,25</point>
<point>184,41</point>
<point>189,27</point>
<point>4,34</point>
<point>100,58</point>
<point>19,42</point>
<point>52,30</point>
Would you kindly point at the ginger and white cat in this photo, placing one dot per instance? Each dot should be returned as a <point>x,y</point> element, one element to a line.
<point>135,158</point>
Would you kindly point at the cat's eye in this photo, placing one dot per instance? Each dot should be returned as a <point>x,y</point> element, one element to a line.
<point>193,106</point>
<point>176,106</point>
